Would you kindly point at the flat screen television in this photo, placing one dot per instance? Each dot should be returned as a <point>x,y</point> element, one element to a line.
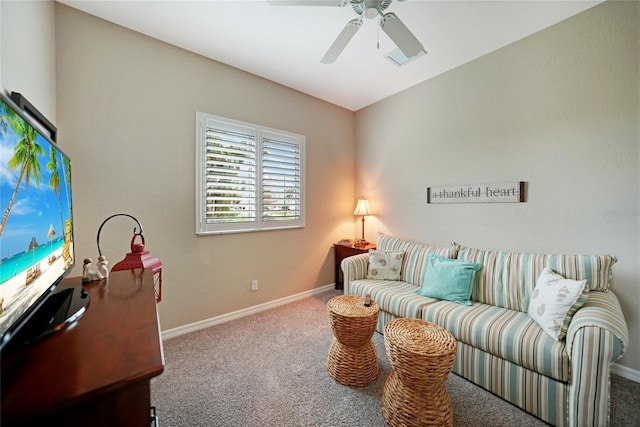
<point>36,231</point>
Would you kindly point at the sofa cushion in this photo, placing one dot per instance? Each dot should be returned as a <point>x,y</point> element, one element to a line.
<point>508,334</point>
<point>554,301</point>
<point>538,394</point>
<point>449,279</point>
<point>507,279</point>
<point>398,298</point>
<point>385,265</point>
<point>414,263</point>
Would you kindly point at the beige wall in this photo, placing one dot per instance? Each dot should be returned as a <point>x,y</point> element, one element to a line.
<point>559,110</point>
<point>126,114</point>
<point>28,52</point>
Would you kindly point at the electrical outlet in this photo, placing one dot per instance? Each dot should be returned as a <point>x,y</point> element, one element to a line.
<point>254,285</point>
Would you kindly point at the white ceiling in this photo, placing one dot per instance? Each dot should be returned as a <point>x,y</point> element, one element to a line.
<point>285,43</point>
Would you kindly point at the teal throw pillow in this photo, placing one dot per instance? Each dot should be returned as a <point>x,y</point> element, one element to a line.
<point>449,279</point>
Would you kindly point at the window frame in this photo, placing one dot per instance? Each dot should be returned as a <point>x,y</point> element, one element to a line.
<point>261,133</point>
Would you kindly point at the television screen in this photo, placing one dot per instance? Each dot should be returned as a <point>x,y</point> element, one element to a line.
<point>36,232</point>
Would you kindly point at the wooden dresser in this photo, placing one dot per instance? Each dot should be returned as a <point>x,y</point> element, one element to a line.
<point>96,372</point>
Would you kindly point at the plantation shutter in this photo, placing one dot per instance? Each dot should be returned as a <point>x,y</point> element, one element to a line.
<point>230,174</point>
<point>281,178</point>
<point>248,177</point>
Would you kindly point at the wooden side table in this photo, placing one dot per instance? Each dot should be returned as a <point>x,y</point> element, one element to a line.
<point>344,251</point>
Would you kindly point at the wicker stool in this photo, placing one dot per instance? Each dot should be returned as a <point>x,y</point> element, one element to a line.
<point>352,356</point>
<point>421,356</point>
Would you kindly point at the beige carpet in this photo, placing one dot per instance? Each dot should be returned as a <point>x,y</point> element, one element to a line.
<point>268,369</point>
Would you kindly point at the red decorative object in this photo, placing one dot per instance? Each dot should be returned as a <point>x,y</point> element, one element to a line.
<point>139,258</point>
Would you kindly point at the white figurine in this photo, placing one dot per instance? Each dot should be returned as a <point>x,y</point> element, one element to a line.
<point>102,266</point>
<point>89,275</point>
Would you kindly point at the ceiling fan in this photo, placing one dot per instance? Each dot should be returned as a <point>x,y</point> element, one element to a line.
<point>408,44</point>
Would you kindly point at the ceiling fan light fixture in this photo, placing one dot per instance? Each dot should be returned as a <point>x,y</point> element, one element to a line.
<point>399,34</point>
<point>371,12</point>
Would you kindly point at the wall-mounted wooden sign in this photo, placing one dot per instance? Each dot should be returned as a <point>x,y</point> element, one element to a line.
<point>511,192</point>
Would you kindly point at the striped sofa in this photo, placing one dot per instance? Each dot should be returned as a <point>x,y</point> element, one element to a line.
<point>500,348</point>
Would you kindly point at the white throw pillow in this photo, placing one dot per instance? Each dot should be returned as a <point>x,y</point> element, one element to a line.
<point>385,265</point>
<point>554,302</point>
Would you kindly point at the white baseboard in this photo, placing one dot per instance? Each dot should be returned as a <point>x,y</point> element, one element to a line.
<point>192,327</point>
<point>628,373</point>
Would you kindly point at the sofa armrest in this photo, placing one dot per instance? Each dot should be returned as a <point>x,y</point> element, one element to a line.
<point>597,336</point>
<point>354,268</point>
<point>601,311</point>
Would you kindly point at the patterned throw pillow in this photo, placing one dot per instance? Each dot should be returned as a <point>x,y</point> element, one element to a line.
<point>554,302</point>
<point>385,265</point>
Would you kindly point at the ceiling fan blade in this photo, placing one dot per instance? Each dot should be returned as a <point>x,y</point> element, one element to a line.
<point>341,42</point>
<point>308,2</point>
<point>400,35</point>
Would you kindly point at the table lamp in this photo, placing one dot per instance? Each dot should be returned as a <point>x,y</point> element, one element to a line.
<point>362,209</point>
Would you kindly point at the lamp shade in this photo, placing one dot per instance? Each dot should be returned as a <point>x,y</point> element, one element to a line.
<point>362,208</point>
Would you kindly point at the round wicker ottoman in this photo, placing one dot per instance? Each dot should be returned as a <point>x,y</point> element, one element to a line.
<point>421,356</point>
<point>352,357</point>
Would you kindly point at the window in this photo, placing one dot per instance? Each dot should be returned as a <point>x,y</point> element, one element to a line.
<point>248,177</point>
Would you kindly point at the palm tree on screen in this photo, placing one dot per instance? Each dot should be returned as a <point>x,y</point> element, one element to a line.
<point>54,181</point>
<point>25,156</point>
<point>66,172</point>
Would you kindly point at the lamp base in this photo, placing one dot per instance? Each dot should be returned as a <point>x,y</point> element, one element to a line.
<point>358,243</point>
